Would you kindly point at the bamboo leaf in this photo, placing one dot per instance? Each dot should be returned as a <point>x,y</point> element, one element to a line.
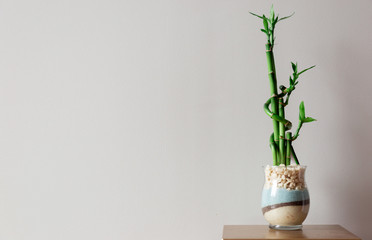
<point>266,26</point>
<point>294,67</point>
<point>263,30</point>
<point>256,15</point>
<point>309,119</point>
<point>306,70</point>
<point>302,111</point>
<point>272,14</point>
<point>286,17</point>
<point>295,79</point>
<point>291,82</point>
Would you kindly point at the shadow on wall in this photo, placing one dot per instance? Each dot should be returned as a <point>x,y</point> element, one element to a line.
<point>352,202</point>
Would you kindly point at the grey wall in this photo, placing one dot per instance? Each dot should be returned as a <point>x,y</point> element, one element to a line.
<point>143,119</point>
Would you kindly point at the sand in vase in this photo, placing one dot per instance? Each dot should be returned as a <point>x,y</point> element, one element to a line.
<point>285,207</point>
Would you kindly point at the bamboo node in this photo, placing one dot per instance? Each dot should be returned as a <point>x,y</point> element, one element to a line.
<point>288,139</point>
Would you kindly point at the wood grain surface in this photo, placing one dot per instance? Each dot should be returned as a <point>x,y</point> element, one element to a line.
<point>311,232</point>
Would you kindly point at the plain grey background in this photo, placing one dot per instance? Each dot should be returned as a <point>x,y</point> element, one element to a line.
<point>143,119</point>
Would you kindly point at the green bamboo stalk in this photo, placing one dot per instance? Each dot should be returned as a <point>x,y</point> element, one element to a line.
<point>273,88</point>
<point>282,133</point>
<point>287,124</point>
<point>288,140</point>
<point>297,131</point>
<point>294,155</point>
<point>274,150</point>
<point>286,101</point>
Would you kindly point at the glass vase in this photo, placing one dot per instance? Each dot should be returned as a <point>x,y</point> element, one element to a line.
<point>285,198</point>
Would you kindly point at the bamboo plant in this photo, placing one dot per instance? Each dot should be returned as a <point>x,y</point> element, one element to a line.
<point>281,140</point>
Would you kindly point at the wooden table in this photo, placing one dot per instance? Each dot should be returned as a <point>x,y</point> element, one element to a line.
<point>310,232</point>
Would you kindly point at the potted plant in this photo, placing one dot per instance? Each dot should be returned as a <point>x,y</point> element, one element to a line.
<point>285,197</point>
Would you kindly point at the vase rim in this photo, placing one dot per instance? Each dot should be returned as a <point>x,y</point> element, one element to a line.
<point>276,166</point>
